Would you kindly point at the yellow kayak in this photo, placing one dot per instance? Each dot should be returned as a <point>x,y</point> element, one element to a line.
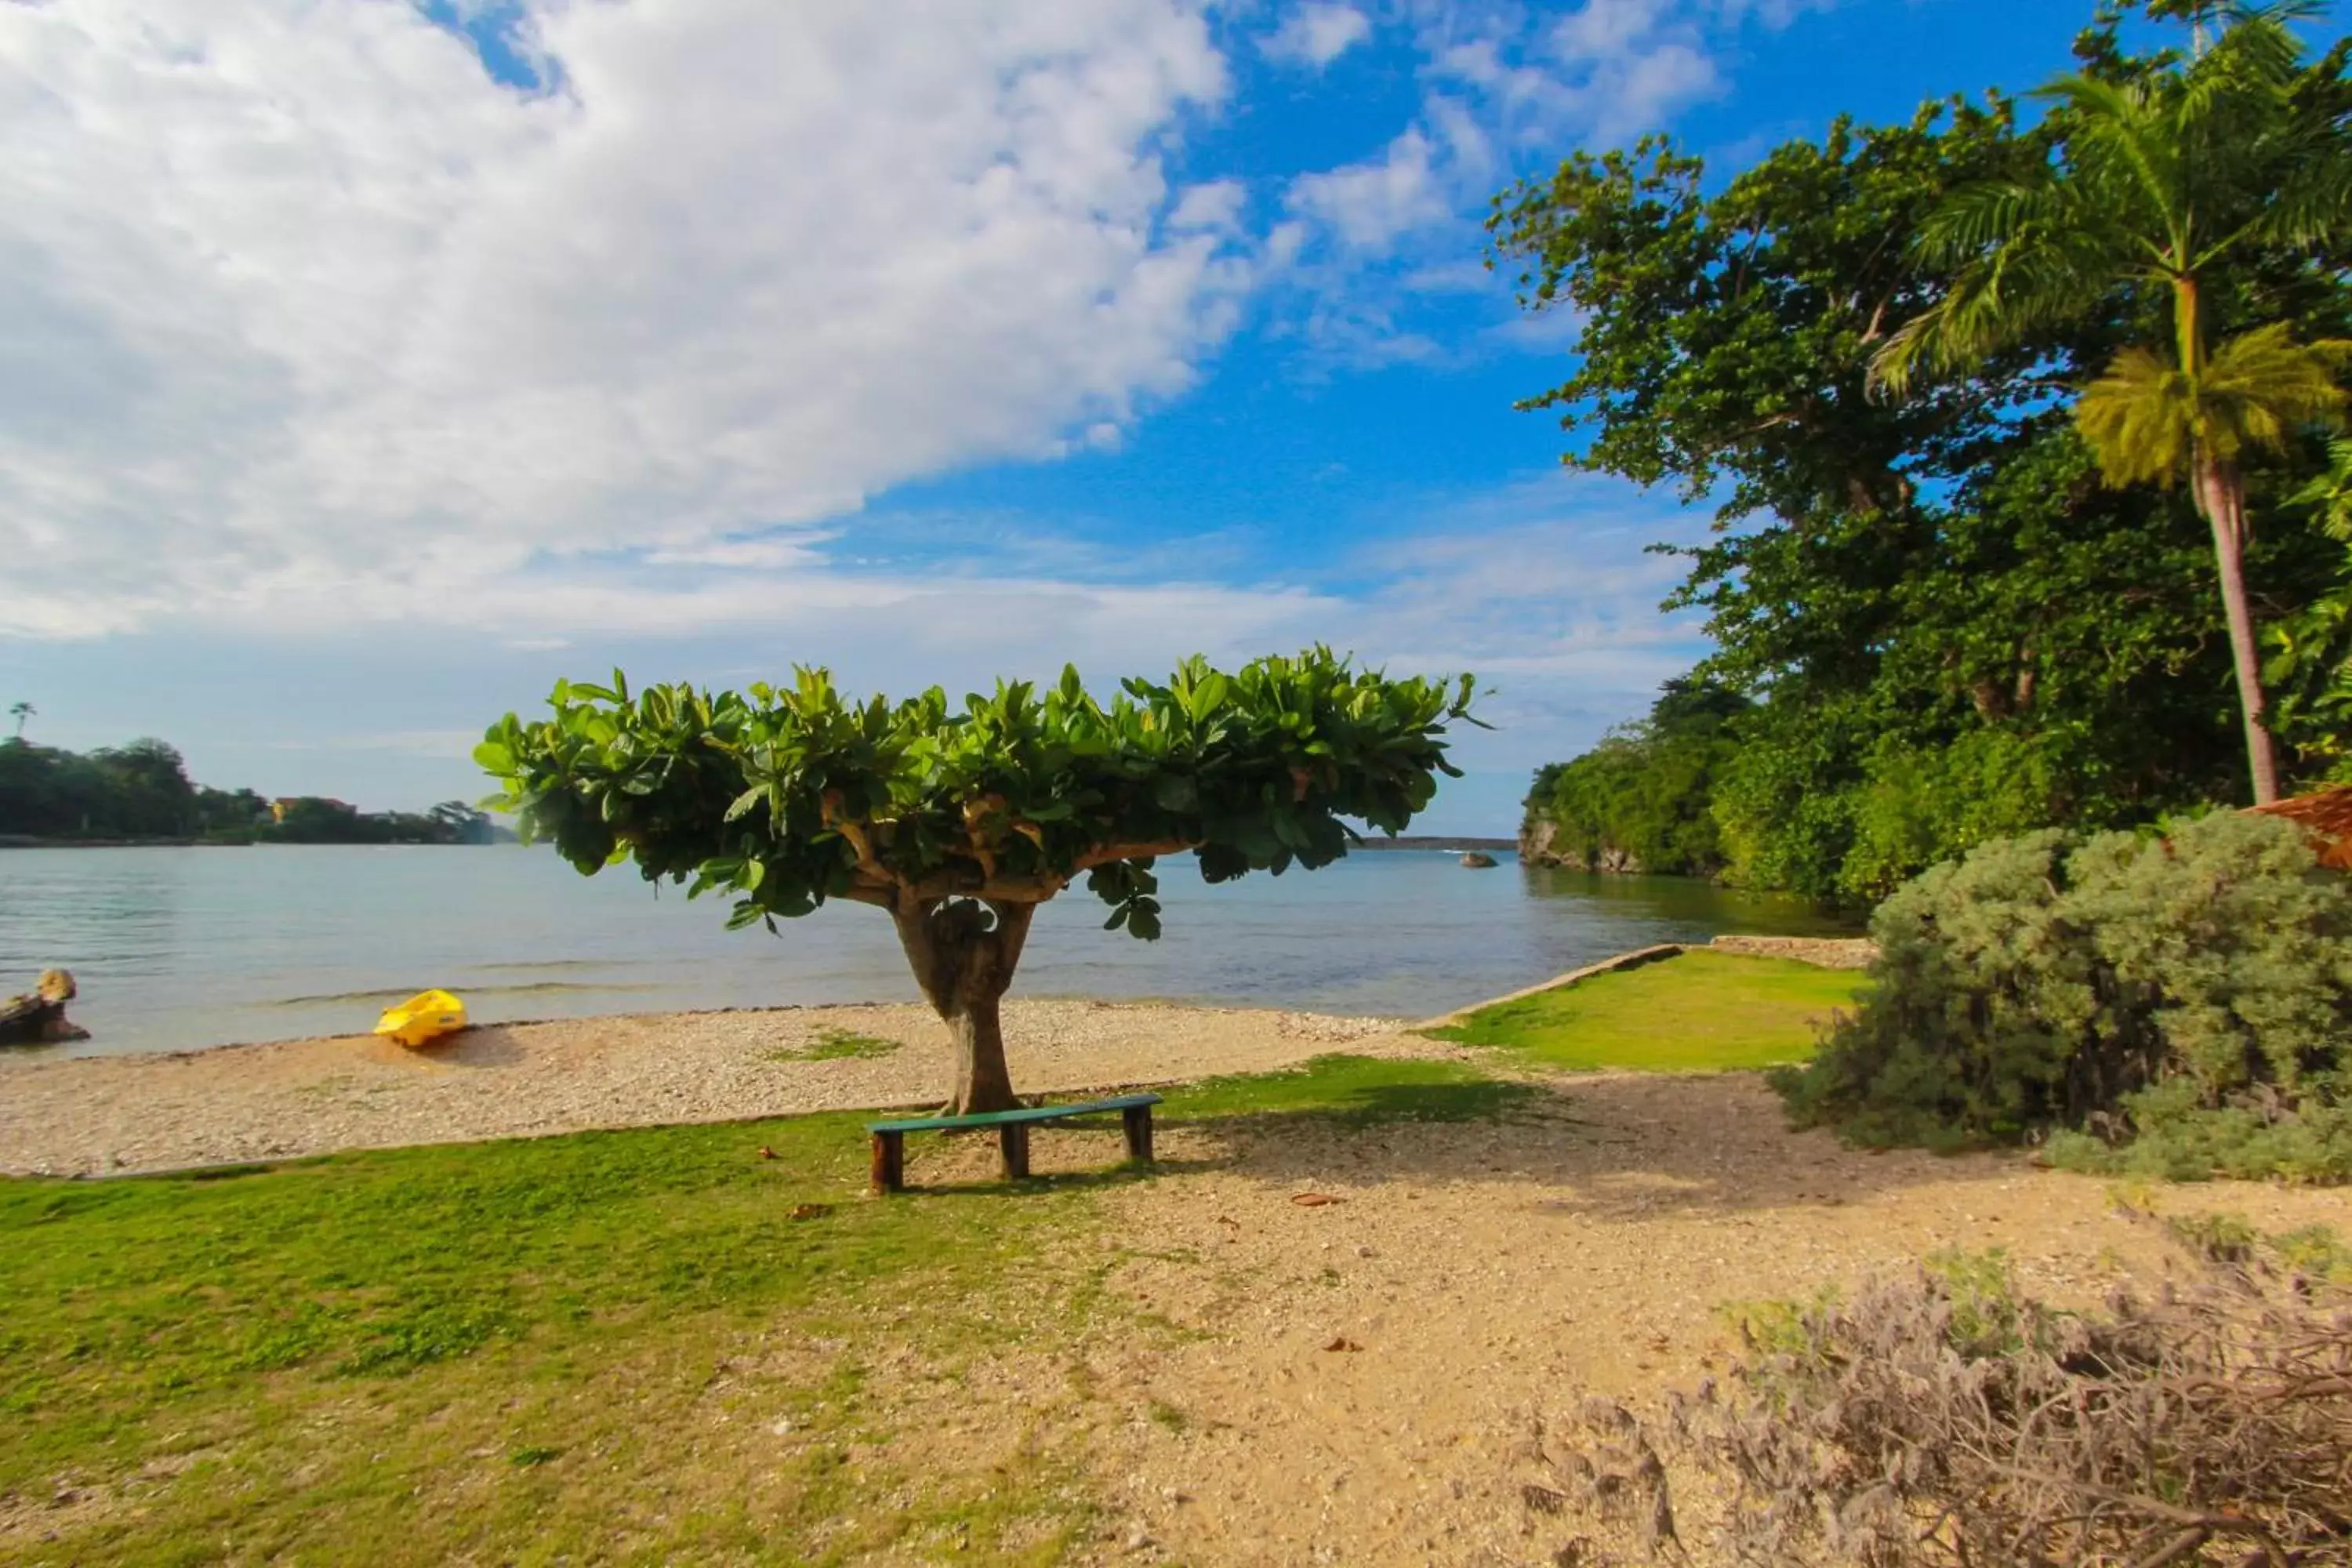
<point>427,1016</point>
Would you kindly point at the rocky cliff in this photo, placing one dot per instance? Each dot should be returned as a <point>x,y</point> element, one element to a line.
<point>1538,841</point>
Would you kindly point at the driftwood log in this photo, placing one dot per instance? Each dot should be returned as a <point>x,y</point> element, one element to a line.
<point>38,1018</point>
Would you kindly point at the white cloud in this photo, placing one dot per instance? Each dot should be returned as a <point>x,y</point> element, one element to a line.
<point>1316,34</point>
<point>303,309</point>
<point>1546,588</point>
<point>1369,205</point>
<point>1468,276</point>
<point>1632,64</point>
<point>1215,205</point>
<point>766,554</point>
<point>1508,88</point>
<point>1651,86</point>
<point>1602,29</point>
<point>1551,330</point>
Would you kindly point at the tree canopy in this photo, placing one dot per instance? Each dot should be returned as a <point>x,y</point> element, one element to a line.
<point>1953,627</point>
<point>960,821</point>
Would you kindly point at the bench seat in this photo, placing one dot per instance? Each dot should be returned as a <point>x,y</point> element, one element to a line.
<point>1011,1131</point>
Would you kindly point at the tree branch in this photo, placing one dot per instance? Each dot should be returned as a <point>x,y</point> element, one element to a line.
<point>868,865</point>
<point>1110,852</point>
<point>960,884</point>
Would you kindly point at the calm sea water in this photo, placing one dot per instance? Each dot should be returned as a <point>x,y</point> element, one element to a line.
<point>181,948</point>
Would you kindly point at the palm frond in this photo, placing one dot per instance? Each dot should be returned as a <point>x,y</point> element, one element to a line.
<point>2256,50</point>
<point>2262,386</point>
<point>2121,130</point>
<point>1899,358</point>
<point>1986,308</point>
<point>2050,260</point>
<point>1978,217</point>
<point>2157,180</point>
<point>2312,204</point>
<point>2280,11</point>
<point>2331,494</point>
<point>2145,417</point>
<point>2138,419</point>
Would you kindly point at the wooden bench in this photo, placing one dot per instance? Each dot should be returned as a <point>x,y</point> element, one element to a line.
<point>1011,1133</point>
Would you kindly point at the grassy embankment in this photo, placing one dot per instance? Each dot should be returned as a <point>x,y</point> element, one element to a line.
<point>648,1345</point>
<point>1700,1012</point>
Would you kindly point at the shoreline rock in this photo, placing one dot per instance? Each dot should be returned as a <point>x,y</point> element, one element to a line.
<point>1826,952</point>
<point>1536,840</point>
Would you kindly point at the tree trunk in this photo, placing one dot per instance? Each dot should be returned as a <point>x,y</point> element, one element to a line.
<point>2221,492</point>
<point>963,953</point>
<point>982,1082</point>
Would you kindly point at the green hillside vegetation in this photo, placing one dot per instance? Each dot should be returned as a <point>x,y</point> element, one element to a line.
<point>142,791</point>
<point>1698,1012</point>
<point>1643,799</point>
<point>1977,558</point>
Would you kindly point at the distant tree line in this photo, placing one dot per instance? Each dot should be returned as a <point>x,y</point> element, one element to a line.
<point>141,791</point>
<point>2019,435</point>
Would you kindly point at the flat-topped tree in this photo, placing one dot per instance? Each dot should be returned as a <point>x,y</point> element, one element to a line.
<point>961,823</point>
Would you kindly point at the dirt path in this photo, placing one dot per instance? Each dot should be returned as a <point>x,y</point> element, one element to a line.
<point>96,1115</point>
<point>1477,1278</point>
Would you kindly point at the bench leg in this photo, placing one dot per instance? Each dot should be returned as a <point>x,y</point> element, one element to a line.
<point>1013,1138</point>
<point>889,1161</point>
<point>1139,1132</point>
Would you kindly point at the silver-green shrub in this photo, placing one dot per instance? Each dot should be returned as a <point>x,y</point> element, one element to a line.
<point>2177,1006</point>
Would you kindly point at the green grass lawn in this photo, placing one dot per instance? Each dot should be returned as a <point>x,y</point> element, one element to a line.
<point>1700,1012</point>
<point>563,1349</point>
<point>835,1044</point>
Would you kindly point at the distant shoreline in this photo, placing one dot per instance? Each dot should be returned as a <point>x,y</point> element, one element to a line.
<point>28,841</point>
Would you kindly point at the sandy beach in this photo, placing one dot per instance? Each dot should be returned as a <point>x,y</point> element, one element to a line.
<point>104,1115</point>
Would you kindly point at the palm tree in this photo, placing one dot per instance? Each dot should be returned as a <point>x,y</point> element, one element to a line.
<point>20,711</point>
<point>2164,182</point>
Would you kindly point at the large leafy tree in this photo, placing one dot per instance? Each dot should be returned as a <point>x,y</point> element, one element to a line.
<point>1891,577</point>
<point>959,822</point>
<point>1727,336</point>
<point>2163,187</point>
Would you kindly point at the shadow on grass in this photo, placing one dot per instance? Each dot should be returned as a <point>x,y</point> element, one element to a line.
<point>1126,1173</point>
<point>1616,1146</point>
<point>1332,1095</point>
<point>1621,1146</point>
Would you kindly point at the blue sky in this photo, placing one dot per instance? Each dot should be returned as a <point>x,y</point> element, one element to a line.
<point>363,367</point>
